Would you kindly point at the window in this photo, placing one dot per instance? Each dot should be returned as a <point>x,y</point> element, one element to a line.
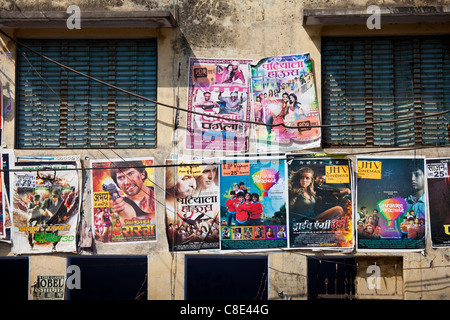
<point>380,78</point>
<point>57,108</point>
<point>331,278</point>
<point>14,281</point>
<point>110,278</point>
<point>226,277</point>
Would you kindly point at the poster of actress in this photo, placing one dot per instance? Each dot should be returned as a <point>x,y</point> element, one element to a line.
<point>45,206</point>
<point>192,204</point>
<point>438,180</point>
<point>284,93</point>
<point>123,200</point>
<point>219,94</point>
<point>320,203</point>
<point>253,203</point>
<point>390,203</point>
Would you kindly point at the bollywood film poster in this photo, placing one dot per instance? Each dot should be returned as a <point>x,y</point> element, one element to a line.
<point>438,183</point>
<point>218,93</point>
<point>320,203</point>
<point>123,200</point>
<point>45,201</point>
<point>192,204</point>
<point>253,203</point>
<point>390,203</point>
<point>283,93</point>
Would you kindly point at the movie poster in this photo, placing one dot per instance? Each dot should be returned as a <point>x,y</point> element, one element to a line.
<point>192,204</point>
<point>45,206</point>
<point>5,219</point>
<point>283,92</point>
<point>218,88</point>
<point>437,173</point>
<point>390,203</point>
<point>253,209</point>
<point>123,200</point>
<point>320,203</point>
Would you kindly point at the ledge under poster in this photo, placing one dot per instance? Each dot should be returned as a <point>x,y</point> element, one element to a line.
<point>253,209</point>
<point>192,204</point>
<point>438,181</point>
<point>218,87</point>
<point>320,203</point>
<point>391,202</point>
<point>123,200</point>
<point>45,205</point>
<point>283,92</point>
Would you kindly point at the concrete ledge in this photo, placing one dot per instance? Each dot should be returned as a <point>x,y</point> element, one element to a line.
<point>388,15</point>
<point>91,19</point>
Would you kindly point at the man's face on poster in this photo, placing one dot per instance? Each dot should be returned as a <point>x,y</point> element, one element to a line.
<point>417,180</point>
<point>207,96</point>
<point>186,186</point>
<point>208,176</point>
<point>130,181</point>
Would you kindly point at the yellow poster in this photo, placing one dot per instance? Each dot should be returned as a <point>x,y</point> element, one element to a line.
<point>369,169</point>
<point>337,174</point>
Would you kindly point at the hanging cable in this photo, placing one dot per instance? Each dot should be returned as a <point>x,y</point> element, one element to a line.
<point>210,115</point>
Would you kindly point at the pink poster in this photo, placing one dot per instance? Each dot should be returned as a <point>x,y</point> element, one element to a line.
<point>218,96</point>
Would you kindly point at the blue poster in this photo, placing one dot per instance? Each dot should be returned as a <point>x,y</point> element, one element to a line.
<point>253,203</point>
<point>391,202</point>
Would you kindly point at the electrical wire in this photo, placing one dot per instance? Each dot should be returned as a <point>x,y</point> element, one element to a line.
<point>210,115</point>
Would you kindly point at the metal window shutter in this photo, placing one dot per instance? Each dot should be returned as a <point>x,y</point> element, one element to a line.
<point>58,108</point>
<point>435,89</point>
<point>343,91</point>
<point>389,79</point>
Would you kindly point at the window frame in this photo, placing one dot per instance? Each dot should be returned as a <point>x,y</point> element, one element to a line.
<point>417,97</point>
<point>108,144</point>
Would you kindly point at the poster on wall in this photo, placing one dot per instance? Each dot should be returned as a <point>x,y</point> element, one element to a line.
<point>123,200</point>
<point>283,92</point>
<point>45,206</point>
<point>390,203</point>
<point>49,287</point>
<point>218,91</point>
<point>320,203</point>
<point>5,219</point>
<point>253,211</point>
<point>192,204</point>
<point>438,182</point>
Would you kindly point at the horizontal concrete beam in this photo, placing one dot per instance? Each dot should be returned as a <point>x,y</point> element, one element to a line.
<point>388,15</point>
<point>91,19</point>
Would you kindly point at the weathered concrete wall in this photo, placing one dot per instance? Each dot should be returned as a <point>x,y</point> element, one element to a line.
<point>232,29</point>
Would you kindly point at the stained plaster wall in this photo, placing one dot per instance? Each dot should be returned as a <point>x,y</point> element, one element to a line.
<point>229,29</point>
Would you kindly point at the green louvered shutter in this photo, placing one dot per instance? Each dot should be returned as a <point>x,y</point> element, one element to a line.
<point>57,108</point>
<point>379,79</point>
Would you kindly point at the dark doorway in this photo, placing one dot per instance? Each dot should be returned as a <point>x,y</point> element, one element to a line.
<point>209,277</point>
<point>109,278</point>
<point>331,278</point>
<point>14,282</point>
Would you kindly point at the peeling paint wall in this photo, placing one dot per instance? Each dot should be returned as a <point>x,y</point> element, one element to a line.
<point>232,29</point>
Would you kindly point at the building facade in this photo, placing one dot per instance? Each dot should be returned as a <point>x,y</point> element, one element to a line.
<point>388,62</point>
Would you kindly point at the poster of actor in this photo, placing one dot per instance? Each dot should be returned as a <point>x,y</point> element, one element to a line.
<point>284,98</point>
<point>253,195</point>
<point>123,198</point>
<point>45,206</point>
<point>192,204</point>
<point>218,93</point>
<point>320,203</point>
<point>438,180</point>
<point>391,202</point>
